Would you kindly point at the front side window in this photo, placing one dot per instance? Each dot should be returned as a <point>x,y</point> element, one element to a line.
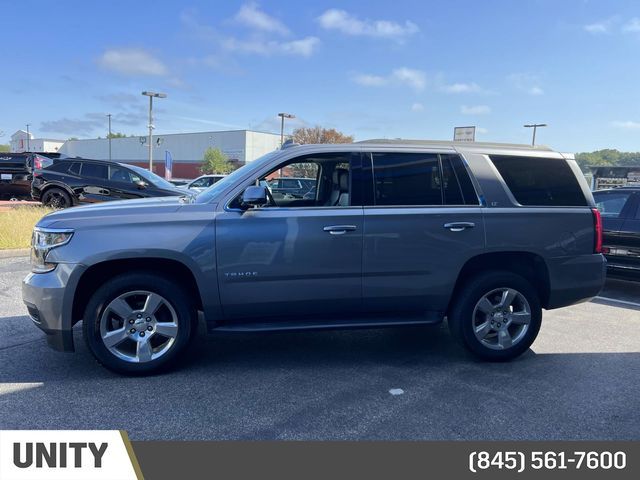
<point>322,180</point>
<point>611,204</point>
<point>119,174</point>
<point>539,181</point>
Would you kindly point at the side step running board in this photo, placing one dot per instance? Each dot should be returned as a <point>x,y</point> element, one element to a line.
<point>285,326</point>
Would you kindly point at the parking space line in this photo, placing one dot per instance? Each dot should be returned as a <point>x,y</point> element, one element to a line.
<point>614,300</point>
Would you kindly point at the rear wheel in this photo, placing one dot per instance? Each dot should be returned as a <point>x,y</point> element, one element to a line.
<point>56,198</point>
<point>496,315</point>
<point>138,323</point>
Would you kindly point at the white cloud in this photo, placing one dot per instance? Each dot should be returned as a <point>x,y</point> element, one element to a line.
<point>416,79</point>
<point>417,107</point>
<point>303,47</point>
<point>462,88</point>
<point>627,125</point>
<point>475,110</point>
<point>251,16</point>
<point>526,82</point>
<point>598,28</point>
<point>133,62</point>
<point>342,21</point>
<point>632,26</point>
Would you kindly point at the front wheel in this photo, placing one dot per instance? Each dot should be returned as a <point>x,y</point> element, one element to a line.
<point>138,323</point>
<point>496,315</point>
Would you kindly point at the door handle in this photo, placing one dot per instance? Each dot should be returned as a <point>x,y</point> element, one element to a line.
<point>339,229</point>
<point>459,226</point>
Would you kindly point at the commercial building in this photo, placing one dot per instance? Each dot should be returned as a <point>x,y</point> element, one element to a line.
<point>21,141</point>
<point>619,176</point>
<point>186,149</point>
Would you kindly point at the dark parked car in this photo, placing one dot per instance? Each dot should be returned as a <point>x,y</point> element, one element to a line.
<point>620,210</point>
<point>411,233</point>
<point>16,173</point>
<point>70,182</point>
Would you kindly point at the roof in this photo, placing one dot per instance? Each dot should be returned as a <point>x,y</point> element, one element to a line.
<point>451,143</point>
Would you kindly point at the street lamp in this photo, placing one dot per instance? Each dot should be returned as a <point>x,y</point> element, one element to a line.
<point>109,136</point>
<point>283,116</point>
<point>28,139</point>
<point>151,96</point>
<point>535,127</point>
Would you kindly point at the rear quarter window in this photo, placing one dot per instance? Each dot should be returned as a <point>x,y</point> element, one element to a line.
<point>536,181</point>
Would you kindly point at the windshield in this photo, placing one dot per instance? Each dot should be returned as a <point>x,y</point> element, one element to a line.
<point>206,195</point>
<point>151,177</point>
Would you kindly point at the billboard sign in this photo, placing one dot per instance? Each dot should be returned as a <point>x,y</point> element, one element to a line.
<point>464,134</point>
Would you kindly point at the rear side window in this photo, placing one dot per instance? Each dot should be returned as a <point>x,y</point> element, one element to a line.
<point>75,168</point>
<point>456,184</point>
<point>60,167</point>
<point>406,179</point>
<point>95,170</point>
<point>540,181</point>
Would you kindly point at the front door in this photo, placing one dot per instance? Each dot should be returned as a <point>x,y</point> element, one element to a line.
<point>295,257</point>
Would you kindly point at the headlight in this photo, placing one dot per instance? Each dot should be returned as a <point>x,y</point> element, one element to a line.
<point>42,241</point>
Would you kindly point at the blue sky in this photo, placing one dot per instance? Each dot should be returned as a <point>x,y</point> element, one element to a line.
<point>412,69</point>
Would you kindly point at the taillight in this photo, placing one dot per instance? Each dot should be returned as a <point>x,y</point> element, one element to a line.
<point>37,162</point>
<point>597,223</point>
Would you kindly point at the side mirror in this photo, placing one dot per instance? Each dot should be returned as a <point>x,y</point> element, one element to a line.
<point>254,196</point>
<point>141,185</point>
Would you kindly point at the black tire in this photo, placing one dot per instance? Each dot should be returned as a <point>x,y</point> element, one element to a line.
<point>461,315</point>
<point>56,198</point>
<point>172,292</point>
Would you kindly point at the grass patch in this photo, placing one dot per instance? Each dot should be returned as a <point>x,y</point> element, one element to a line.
<point>16,225</point>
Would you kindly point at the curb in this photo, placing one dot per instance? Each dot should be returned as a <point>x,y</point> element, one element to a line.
<point>15,253</point>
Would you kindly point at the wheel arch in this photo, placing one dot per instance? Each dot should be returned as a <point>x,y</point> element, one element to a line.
<point>61,186</point>
<point>96,274</point>
<point>526,264</point>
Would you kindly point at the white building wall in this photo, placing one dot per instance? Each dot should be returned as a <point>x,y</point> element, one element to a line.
<point>241,145</point>
<point>20,144</point>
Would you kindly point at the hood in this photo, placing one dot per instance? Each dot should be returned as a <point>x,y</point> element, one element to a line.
<point>99,212</point>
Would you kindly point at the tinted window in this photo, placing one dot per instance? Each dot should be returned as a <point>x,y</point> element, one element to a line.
<point>60,167</point>
<point>94,170</point>
<point>119,174</point>
<point>611,204</point>
<point>75,168</point>
<point>540,181</point>
<point>462,176</point>
<point>406,179</point>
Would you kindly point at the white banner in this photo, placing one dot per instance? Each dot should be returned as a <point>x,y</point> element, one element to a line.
<point>67,455</point>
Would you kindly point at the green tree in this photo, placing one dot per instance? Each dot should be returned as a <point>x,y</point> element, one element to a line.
<point>5,148</point>
<point>216,162</point>
<point>117,135</point>
<point>607,158</point>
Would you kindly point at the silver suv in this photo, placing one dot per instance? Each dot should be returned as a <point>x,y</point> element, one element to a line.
<point>395,233</point>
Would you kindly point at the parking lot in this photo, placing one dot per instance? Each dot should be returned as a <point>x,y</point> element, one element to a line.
<point>579,381</point>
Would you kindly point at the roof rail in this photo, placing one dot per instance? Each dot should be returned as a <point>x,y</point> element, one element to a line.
<point>288,144</point>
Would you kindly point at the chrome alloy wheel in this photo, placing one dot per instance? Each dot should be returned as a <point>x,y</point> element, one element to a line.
<point>139,326</point>
<point>501,318</point>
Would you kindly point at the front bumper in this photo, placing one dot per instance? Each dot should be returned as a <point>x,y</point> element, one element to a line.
<point>49,301</point>
<point>575,279</point>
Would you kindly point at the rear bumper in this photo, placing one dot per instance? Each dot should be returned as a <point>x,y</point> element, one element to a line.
<point>49,301</point>
<point>575,279</point>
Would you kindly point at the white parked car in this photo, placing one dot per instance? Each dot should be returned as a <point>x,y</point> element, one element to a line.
<point>203,182</point>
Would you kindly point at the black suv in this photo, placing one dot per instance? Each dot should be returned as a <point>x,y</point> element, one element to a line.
<point>620,210</point>
<point>73,181</point>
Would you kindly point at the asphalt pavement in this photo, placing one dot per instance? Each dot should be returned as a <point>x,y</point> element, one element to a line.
<point>580,380</point>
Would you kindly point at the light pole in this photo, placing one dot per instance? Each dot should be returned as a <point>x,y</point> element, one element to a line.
<point>151,95</point>
<point>535,128</point>
<point>283,116</point>
<point>109,136</point>
<point>28,139</point>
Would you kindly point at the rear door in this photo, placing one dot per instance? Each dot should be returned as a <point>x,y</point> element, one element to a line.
<point>93,183</point>
<point>422,222</point>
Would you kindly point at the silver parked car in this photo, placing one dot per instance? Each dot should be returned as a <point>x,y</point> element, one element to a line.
<point>202,182</point>
<point>395,233</point>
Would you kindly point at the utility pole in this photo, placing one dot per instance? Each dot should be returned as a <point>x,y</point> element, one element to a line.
<point>535,128</point>
<point>109,136</point>
<point>28,139</point>
<point>283,116</point>
<point>151,96</point>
